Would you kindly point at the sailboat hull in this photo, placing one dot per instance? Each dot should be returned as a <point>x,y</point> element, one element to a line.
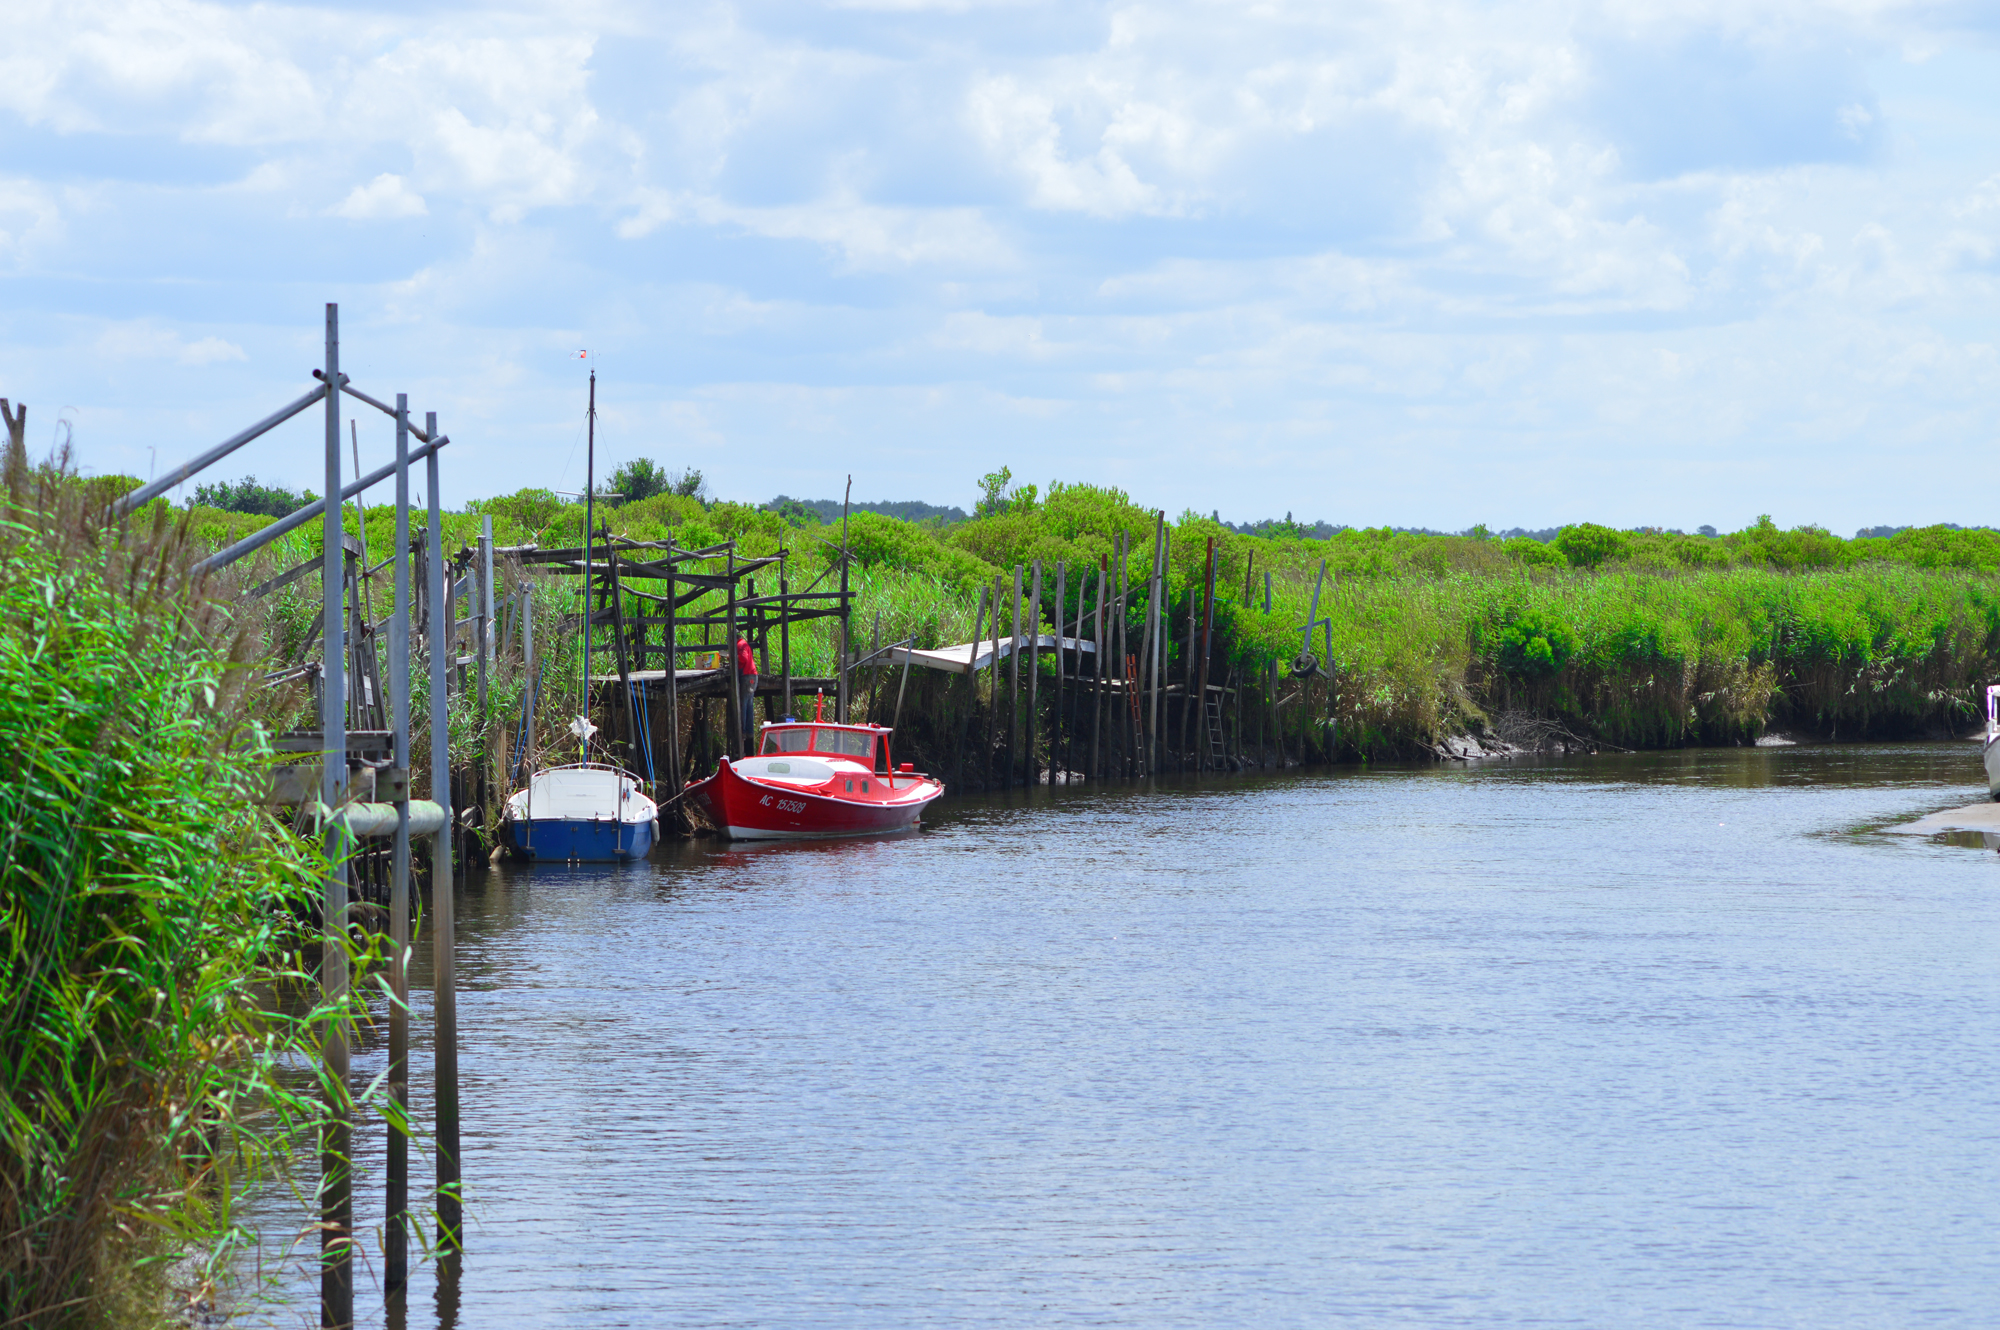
<point>577,840</point>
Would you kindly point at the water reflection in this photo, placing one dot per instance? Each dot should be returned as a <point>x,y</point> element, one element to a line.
<point>1633,1040</point>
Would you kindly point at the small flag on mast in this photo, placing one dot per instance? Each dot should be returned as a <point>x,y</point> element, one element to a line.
<point>583,355</point>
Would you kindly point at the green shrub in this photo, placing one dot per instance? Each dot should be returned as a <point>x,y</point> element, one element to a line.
<point>1587,545</point>
<point>1536,645</point>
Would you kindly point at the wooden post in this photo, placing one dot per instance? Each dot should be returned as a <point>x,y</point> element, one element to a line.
<point>971,683</point>
<point>1207,629</point>
<point>336,1196</point>
<point>1033,775</point>
<point>1058,736</point>
<point>993,689</point>
<point>1097,673</point>
<point>675,767</point>
<point>785,629</point>
<point>1188,702</point>
<point>483,635</point>
<point>1127,759</point>
<point>1014,687</point>
<point>451,1217</point>
<point>732,721</point>
<point>1151,647</point>
<point>1276,733</point>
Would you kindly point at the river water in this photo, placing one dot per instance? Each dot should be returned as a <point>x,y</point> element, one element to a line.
<point>1671,1039</point>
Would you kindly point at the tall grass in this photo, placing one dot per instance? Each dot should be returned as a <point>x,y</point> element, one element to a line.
<point>149,910</point>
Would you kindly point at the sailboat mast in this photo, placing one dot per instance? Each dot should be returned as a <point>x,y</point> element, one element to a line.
<point>589,514</point>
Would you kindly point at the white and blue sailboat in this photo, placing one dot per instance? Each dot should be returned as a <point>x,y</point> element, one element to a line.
<point>587,811</point>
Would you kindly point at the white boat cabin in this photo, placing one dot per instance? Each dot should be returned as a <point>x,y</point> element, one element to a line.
<point>582,794</point>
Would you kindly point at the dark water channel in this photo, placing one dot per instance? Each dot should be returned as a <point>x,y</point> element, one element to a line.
<point>1663,1040</point>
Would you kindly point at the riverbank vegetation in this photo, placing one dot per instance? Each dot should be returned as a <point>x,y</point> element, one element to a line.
<point>150,912</point>
<point>1634,638</point>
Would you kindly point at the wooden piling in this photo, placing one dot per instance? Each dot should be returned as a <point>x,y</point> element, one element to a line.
<point>675,765</point>
<point>1014,687</point>
<point>1033,775</point>
<point>965,729</point>
<point>784,630</point>
<point>1277,734</point>
<point>1151,650</point>
<point>483,634</point>
<point>992,691</point>
<point>1207,642</point>
<point>1125,711</point>
<point>732,721</point>
<point>1097,672</point>
<point>1058,750</point>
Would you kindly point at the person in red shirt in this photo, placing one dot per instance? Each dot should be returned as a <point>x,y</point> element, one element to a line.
<point>746,674</point>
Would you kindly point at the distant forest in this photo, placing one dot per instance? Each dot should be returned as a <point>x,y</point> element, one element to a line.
<point>828,510</point>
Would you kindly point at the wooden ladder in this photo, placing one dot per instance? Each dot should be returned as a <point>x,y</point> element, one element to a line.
<point>1218,754</point>
<point>1138,716</point>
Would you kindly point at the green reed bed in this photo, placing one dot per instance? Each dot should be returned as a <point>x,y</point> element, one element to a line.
<point>150,912</point>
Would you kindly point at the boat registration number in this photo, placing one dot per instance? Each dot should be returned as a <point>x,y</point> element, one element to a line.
<point>787,805</point>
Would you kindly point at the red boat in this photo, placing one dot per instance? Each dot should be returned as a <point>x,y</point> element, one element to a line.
<point>814,778</point>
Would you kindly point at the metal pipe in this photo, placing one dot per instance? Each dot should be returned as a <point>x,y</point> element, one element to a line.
<point>149,492</point>
<point>450,1214</point>
<point>395,1263</point>
<point>263,536</point>
<point>336,1287</point>
<point>370,821</point>
<point>383,407</point>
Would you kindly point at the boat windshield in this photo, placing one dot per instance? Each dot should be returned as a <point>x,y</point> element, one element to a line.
<point>787,741</point>
<point>851,743</point>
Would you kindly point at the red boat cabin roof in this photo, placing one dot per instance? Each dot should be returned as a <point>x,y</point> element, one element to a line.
<point>812,736</point>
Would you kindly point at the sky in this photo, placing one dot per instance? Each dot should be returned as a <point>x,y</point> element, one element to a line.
<point>1422,263</point>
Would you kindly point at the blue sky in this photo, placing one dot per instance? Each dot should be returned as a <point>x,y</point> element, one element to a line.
<point>1421,263</point>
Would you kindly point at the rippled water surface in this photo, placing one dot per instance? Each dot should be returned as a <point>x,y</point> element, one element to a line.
<point>1665,1040</point>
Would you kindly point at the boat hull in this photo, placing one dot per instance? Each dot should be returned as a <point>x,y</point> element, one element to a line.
<point>580,841</point>
<point>745,810</point>
<point>1993,767</point>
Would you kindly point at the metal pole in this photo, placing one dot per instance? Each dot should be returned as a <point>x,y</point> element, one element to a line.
<point>336,1197</point>
<point>589,511</point>
<point>846,610</point>
<point>147,493</point>
<point>443,923</point>
<point>395,1256</point>
<point>284,526</point>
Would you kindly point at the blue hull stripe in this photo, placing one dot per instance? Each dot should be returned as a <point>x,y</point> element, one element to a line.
<point>588,842</point>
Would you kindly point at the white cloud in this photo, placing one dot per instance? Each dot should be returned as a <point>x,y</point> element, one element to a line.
<point>867,237</point>
<point>386,195</point>
<point>147,340</point>
<point>30,221</point>
<point>1293,226</point>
